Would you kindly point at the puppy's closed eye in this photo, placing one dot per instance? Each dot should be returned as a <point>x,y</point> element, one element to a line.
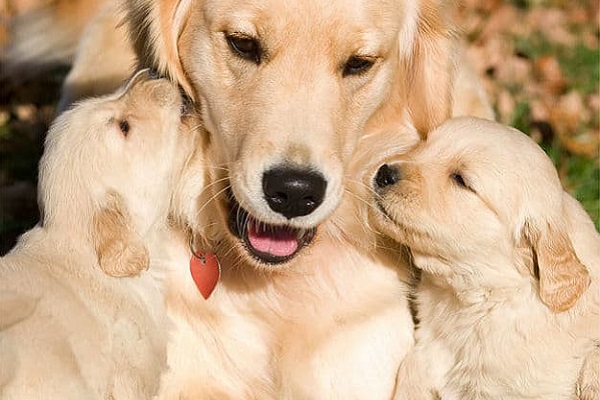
<point>459,179</point>
<point>124,127</point>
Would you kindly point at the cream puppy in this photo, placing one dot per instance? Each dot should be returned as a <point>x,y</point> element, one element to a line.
<point>508,300</point>
<point>67,329</point>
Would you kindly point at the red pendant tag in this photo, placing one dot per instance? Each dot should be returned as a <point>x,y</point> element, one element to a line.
<point>205,271</point>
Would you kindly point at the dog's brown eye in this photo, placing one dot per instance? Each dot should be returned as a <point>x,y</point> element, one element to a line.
<point>357,65</point>
<point>124,126</point>
<point>246,47</point>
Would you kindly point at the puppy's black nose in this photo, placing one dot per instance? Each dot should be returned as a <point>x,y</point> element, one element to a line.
<point>386,176</point>
<point>293,192</point>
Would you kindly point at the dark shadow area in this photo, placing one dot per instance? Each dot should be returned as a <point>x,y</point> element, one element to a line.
<point>27,107</point>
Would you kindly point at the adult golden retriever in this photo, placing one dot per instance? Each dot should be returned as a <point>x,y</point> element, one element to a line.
<point>290,93</point>
<point>509,299</point>
<point>67,329</point>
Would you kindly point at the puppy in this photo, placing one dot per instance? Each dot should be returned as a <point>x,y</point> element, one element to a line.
<point>508,300</point>
<point>67,329</point>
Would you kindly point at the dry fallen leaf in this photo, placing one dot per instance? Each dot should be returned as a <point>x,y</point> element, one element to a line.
<point>548,72</point>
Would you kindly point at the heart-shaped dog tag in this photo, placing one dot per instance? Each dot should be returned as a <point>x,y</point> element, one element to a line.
<point>205,270</point>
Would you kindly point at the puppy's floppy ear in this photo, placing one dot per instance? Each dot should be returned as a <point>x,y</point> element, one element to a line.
<point>430,67</point>
<point>155,28</point>
<point>563,279</point>
<point>119,248</point>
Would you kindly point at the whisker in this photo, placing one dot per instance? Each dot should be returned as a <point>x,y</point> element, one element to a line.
<point>215,196</point>
<point>363,185</point>
<point>216,167</point>
<point>240,216</point>
<point>369,204</point>
<point>211,185</point>
<point>197,126</point>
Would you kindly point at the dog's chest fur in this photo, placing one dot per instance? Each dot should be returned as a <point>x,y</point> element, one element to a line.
<point>307,335</point>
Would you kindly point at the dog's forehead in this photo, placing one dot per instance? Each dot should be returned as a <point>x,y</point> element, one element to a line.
<point>368,19</point>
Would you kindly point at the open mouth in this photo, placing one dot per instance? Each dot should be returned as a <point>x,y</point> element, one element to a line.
<point>269,244</point>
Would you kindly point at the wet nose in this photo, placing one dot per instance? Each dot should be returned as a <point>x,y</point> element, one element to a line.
<point>387,175</point>
<point>293,192</point>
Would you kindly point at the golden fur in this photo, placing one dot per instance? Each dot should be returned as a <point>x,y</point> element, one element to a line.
<point>332,321</point>
<point>304,329</point>
<point>67,330</point>
<point>505,305</point>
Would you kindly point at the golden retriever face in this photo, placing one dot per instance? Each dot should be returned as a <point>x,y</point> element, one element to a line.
<point>287,108</point>
<point>111,163</point>
<point>286,88</point>
<point>467,199</point>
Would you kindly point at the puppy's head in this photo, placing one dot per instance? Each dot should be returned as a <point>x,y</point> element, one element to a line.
<point>470,197</point>
<point>109,166</point>
<point>286,89</point>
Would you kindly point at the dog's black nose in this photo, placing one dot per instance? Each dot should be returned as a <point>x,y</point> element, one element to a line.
<point>293,192</point>
<point>386,176</point>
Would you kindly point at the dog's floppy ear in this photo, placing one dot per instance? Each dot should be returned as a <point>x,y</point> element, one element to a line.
<point>155,28</point>
<point>563,278</point>
<point>119,248</point>
<point>430,68</point>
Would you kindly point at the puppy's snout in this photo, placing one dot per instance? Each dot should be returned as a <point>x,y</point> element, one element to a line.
<point>293,192</point>
<point>387,175</point>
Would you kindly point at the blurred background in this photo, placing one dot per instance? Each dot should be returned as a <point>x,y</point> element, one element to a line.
<point>539,60</point>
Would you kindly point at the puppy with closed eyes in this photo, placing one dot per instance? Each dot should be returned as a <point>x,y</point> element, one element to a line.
<point>68,329</point>
<point>508,302</point>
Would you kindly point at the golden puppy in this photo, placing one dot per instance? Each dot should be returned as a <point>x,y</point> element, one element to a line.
<point>508,303</point>
<point>67,330</point>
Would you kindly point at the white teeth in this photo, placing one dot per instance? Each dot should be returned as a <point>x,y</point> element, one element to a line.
<point>300,234</point>
<point>262,228</point>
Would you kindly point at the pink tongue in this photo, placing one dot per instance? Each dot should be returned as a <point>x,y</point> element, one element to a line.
<point>279,242</point>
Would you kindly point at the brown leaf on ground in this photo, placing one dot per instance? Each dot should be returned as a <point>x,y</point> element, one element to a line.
<point>535,89</point>
<point>548,72</point>
<point>568,116</point>
<point>552,24</point>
